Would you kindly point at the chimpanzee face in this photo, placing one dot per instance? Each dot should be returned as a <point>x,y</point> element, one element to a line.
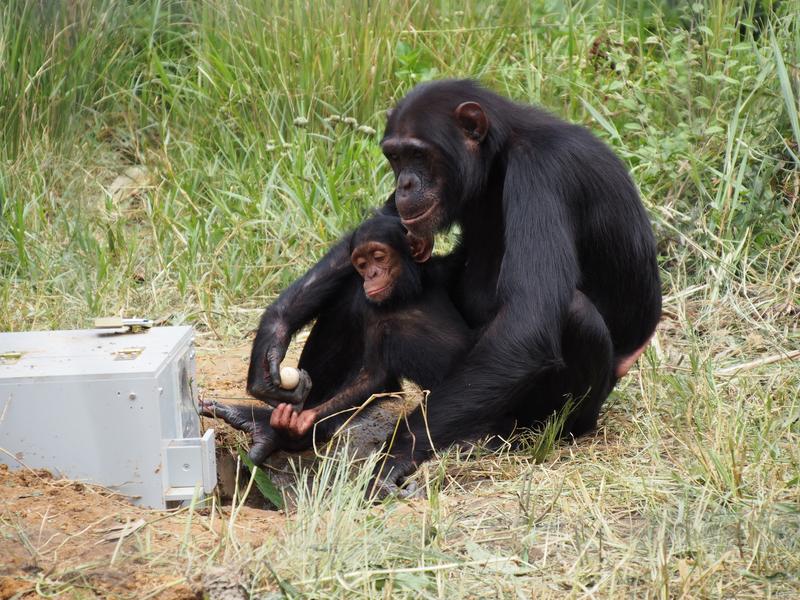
<point>434,155</point>
<point>419,183</point>
<point>381,267</point>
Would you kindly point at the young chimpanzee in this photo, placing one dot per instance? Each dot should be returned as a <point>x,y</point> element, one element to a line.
<point>410,330</point>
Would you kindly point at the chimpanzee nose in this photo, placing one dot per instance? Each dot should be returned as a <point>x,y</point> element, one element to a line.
<point>407,181</point>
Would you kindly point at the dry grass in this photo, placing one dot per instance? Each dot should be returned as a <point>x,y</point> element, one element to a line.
<point>691,486</point>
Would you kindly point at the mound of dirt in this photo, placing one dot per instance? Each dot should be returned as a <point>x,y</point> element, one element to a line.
<point>64,535</point>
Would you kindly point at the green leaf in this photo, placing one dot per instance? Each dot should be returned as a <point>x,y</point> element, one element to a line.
<point>786,87</point>
<point>604,123</point>
<point>269,490</point>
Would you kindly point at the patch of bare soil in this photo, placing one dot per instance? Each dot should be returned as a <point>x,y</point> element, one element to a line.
<point>63,538</point>
<point>61,534</point>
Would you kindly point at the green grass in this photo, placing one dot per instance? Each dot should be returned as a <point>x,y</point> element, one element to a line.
<point>691,488</point>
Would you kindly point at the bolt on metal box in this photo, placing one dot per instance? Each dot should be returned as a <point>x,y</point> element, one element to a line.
<point>113,409</point>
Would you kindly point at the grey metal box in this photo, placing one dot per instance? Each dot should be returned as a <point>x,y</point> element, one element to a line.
<point>113,409</point>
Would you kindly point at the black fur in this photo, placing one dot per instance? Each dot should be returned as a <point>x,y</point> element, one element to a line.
<point>556,268</point>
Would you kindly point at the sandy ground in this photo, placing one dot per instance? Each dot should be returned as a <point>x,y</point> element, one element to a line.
<point>52,531</point>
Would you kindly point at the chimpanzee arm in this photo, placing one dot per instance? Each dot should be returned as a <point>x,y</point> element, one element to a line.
<point>366,383</point>
<point>297,305</point>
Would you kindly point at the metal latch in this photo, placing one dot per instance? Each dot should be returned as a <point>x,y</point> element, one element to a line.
<point>190,463</point>
<point>122,324</point>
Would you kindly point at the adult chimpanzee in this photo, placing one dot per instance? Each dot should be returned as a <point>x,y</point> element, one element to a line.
<point>409,327</point>
<point>556,266</point>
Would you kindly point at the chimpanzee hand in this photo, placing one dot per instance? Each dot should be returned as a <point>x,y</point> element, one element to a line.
<point>269,349</point>
<point>251,419</point>
<point>295,424</point>
<point>268,391</point>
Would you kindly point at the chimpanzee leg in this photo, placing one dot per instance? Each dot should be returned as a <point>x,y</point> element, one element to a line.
<point>589,355</point>
<point>443,424</point>
<point>587,376</point>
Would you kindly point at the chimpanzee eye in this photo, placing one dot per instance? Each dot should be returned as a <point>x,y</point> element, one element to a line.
<point>417,154</point>
<point>379,256</point>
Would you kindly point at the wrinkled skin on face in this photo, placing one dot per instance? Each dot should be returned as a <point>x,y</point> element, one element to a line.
<point>426,171</point>
<point>380,266</point>
<point>419,183</point>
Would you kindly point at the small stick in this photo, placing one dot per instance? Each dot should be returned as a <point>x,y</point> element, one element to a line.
<point>759,362</point>
<point>14,456</point>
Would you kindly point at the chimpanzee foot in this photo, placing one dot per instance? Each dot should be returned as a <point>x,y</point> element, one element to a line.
<point>273,395</point>
<point>389,483</point>
<point>382,489</point>
<point>412,491</point>
<point>251,419</point>
<point>265,442</point>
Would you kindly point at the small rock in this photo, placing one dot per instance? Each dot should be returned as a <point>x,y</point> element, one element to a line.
<point>220,583</point>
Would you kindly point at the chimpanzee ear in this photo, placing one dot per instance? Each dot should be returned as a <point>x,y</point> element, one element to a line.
<point>421,248</point>
<point>473,120</point>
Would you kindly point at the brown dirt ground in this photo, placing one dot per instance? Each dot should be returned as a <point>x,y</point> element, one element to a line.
<point>52,532</point>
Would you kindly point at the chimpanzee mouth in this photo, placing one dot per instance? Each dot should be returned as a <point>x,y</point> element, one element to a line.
<point>420,216</point>
<point>379,291</point>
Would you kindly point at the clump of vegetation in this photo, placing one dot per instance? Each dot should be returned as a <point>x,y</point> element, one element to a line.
<point>188,160</point>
